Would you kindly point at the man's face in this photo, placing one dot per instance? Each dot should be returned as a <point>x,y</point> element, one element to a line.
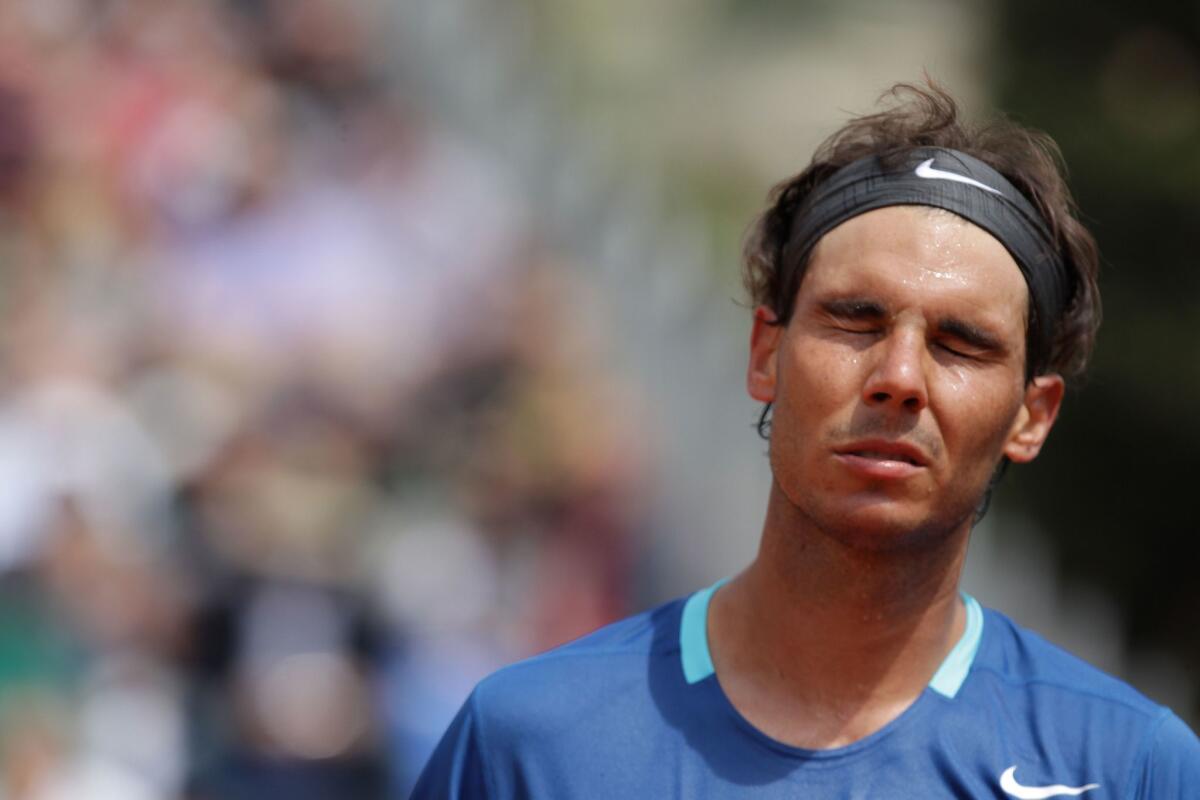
<point>899,382</point>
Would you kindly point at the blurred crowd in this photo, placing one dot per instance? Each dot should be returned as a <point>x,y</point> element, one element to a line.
<point>300,433</point>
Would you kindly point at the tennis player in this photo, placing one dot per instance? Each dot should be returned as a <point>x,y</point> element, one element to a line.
<point>923,289</point>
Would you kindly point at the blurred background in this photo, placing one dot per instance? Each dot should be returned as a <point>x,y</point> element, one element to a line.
<point>354,349</point>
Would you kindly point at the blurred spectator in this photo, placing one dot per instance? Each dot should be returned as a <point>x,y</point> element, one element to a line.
<point>295,441</point>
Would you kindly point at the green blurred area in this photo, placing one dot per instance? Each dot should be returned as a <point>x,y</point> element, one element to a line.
<point>1118,86</point>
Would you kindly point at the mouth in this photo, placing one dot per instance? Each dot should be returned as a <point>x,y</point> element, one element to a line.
<point>884,452</point>
<point>879,455</point>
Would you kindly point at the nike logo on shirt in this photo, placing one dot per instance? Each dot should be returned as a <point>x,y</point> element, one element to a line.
<point>1008,782</point>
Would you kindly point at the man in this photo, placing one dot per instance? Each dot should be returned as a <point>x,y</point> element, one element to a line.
<point>923,289</point>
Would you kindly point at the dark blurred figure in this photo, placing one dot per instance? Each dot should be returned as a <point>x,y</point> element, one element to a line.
<point>283,646</point>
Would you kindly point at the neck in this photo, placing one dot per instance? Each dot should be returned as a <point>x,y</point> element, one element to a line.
<point>825,640</point>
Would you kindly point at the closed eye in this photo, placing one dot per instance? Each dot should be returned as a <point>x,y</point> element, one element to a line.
<point>854,315</point>
<point>957,350</point>
<point>967,341</point>
<point>859,328</point>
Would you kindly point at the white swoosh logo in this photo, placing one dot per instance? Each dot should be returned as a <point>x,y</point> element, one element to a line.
<point>1008,782</point>
<point>925,170</point>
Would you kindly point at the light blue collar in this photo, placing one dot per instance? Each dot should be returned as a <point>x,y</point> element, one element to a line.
<point>697,660</point>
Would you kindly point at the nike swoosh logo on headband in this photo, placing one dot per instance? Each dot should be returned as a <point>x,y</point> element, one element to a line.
<point>925,170</point>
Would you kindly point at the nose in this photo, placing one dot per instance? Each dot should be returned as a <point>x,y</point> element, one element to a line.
<point>897,377</point>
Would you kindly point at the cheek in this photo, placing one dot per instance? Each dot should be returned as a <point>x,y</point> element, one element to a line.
<point>821,374</point>
<point>983,412</point>
<point>812,388</point>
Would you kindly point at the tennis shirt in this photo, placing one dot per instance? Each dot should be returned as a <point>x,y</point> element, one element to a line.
<point>635,710</point>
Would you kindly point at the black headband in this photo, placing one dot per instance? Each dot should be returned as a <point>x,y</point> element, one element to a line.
<point>950,180</point>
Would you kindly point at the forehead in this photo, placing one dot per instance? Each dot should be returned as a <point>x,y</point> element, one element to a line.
<point>918,255</point>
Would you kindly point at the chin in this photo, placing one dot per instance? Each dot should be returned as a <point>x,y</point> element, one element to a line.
<point>881,517</point>
<point>884,527</point>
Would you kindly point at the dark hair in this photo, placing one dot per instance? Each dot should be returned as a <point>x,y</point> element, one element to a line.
<point>927,116</point>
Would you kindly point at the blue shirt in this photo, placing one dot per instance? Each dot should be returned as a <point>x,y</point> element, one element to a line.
<point>635,710</point>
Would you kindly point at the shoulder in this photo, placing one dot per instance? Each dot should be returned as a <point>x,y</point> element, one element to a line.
<point>607,668</point>
<point>1047,688</point>
<point>528,720</point>
<point>1020,657</point>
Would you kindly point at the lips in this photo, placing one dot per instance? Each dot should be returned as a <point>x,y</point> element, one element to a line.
<point>882,455</point>
<point>883,458</point>
<point>886,450</point>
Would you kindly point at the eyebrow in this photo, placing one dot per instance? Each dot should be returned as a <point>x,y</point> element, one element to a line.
<point>853,308</point>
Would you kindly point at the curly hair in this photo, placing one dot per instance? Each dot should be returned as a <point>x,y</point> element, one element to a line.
<point>927,116</point>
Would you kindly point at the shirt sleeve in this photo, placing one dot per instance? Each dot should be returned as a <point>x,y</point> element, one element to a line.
<point>1172,766</point>
<point>456,770</point>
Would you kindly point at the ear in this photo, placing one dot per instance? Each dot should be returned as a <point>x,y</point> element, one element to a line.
<point>1043,398</point>
<point>764,344</point>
